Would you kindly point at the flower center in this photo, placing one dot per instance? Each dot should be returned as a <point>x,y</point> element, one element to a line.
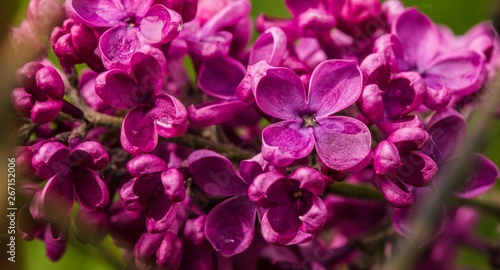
<point>131,22</point>
<point>309,121</point>
<point>297,194</point>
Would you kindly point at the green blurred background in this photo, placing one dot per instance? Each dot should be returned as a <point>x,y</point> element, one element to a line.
<point>457,14</point>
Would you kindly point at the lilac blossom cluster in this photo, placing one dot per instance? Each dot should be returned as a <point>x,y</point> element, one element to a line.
<point>360,92</point>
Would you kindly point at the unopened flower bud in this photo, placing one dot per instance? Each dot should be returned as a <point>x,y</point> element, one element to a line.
<point>73,43</point>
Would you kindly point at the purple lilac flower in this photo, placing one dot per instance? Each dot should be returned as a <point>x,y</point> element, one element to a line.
<point>292,209</point>
<point>414,46</point>
<point>54,233</point>
<point>216,176</point>
<point>71,173</point>
<point>40,96</point>
<point>151,113</point>
<point>341,142</point>
<point>219,27</point>
<point>131,25</point>
<point>398,163</point>
<point>156,189</point>
<point>186,8</point>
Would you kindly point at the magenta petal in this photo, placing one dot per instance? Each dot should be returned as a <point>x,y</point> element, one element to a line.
<point>161,213</point>
<point>215,174</point>
<point>297,7</point>
<point>483,178</point>
<point>149,67</point>
<point>258,190</point>
<point>314,219</point>
<point>213,113</point>
<point>130,200</point>
<point>45,111</point>
<point>50,82</point>
<point>90,190</point>
<point>169,116</point>
<point>310,180</point>
<point>58,196</point>
<point>231,234</point>
<point>97,13</point>
<point>386,158</point>
<point>280,93</point>
<point>286,141</point>
<point>138,133</point>
<point>22,102</point>
<point>173,183</point>
<point>389,126</point>
<point>419,37</point>
<point>370,103</point>
<point>219,77</point>
<point>280,223</point>
<point>117,45</point>
<point>169,253</point>
<point>418,169</point>
<point>269,46</point>
<point>50,159</point>
<point>405,92</point>
<point>408,139</point>
<point>56,237</point>
<point>437,98</point>
<point>395,192</point>
<point>146,247</point>
<point>229,15</point>
<point>335,85</point>
<point>160,25</point>
<point>447,130</point>
<point>376,69</point>
<point>90,155</point>
<point>119,90</point>
<point>342,142</point>
<point>462,72</point>
<point>145,164</point>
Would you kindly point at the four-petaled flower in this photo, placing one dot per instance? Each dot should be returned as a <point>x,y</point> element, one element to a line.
<point>341,142</point>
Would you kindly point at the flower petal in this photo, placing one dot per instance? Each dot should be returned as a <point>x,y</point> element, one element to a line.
<point>386,158</point>
<point>269,46</point>
<point>231,234</point>
<point>101,13</point>
<point>280,93</point>
<point>169,116</point>
<point>405,92</point>
<point>215,174</point>
<point>342,142</point>
<point>286,141</point>
<point>280,224</point>
<point>149,67</point>
<point>138,133</point>
<point>45,111</point>
<point>90,155</point>
<point>214,113</point>
<point>90,190</point>
<point>334,85</point>
<point>461,72</point>
<point>220,76</point>
<point>314,219</point>
<point>483,178</point>
<point>58,196</point>
<point>117,45</point>
<point>409,139</point>
<point>310,180</point>
<point>419,37</point>
<point>418,169</point>
<point>160,25</point>
<point>145,164</point>
<point>395,192</point>
<point>161,214</point>
<point>50,159</point>
<point>447,130</point>
<point>173,183</point>
<point>119,90</point>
